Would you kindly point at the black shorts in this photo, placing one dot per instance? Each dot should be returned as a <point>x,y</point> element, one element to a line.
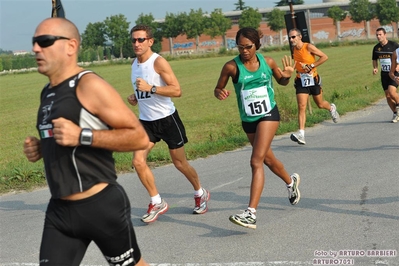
<point>169,129</point>
<point>311,90</point>
<point>250,127</point>
<point>386,80</point>
<point>104,218</point>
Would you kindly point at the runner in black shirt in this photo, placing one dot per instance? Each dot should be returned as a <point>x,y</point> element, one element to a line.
<point>383,52</point>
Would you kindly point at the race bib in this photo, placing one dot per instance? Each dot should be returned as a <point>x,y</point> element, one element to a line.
<point>256,101</point>
<point>307,79</point>
<point>385,64</point>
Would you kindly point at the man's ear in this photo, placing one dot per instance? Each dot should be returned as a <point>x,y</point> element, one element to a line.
<point>151,41</point>
<point>73,46</point>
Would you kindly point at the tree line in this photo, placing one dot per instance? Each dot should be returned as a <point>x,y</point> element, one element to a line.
<point>110,38</point>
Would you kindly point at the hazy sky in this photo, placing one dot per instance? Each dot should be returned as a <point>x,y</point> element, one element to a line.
<point>19,18</point>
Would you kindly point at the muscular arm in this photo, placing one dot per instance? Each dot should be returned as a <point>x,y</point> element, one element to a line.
<point>163,68</point>
<point>375,67</point>
<point>315,51</point>
<point>102,100</point>
<point>229,70</point>
<point>393,66</point>
<point>172,88</point>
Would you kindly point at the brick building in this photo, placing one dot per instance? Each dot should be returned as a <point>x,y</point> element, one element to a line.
<point>321,29</point>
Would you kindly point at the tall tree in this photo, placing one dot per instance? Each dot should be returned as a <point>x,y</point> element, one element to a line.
<point>250,18</point>
<point>194,25</point>
<point>276,21</point>
<point>337,14</point>
<point>387,12</point>
<point>117,31</point>
<point>94,35</point>
<point>240,5</point>
<point>217,25</point>
<point>361,11</point>
<point>285,2</point>
<point>172,27</point>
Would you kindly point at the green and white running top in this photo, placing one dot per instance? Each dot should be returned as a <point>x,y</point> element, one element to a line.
<point>254,90</point>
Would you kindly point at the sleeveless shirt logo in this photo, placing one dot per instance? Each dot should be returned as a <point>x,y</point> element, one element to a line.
<point>46,130</point>
<point>263,75</point>
<point>72,83</point>
<point>46,112</point>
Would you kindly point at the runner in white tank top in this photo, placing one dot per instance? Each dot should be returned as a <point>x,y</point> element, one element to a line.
<point>154,83</point>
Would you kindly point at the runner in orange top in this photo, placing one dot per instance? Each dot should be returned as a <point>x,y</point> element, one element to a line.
<point>308,81</point>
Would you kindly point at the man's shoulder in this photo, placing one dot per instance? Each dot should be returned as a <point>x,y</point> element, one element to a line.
<point>378,45</point>
<point>393,43</point>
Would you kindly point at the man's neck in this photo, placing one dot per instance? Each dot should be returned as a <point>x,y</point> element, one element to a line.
<point>384,42</point>
<point>299,45</point>
<point>144,57</point>
<point>56,79</point>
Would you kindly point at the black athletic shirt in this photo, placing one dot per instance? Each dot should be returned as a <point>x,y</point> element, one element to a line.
<point>384,55</point>
<point>71,170</point>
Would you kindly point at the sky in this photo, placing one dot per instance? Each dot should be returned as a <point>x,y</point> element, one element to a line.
<point>19,18</point>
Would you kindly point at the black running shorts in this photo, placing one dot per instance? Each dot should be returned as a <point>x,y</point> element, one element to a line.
<point>250,127</point>
<point>169,129</point>
<point>104,218</point>
<point>311,90</point>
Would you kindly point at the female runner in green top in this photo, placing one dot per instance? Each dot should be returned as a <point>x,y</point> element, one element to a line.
<point>251,74</point>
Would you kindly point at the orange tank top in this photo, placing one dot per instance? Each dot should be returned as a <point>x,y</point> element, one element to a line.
<point>303,56</point>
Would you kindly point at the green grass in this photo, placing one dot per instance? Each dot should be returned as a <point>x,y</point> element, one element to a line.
<point>212,126</point>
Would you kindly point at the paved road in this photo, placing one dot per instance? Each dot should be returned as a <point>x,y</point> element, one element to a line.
<point>350,203</point>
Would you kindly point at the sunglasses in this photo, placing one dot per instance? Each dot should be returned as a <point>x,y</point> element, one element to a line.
<point>140,40</point>
<point>246,47</point>
<point>47,40</point>
<point>293,37</point>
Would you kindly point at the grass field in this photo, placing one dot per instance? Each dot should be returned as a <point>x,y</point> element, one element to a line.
<point>212,126</point>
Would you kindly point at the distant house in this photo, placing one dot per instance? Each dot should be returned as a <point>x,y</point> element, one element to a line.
<point>20,52</point>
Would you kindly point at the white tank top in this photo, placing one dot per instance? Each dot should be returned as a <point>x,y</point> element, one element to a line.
<point>397,55</point>
<point>151,106</point>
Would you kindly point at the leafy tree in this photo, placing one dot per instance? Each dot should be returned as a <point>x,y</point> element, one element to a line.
<point>117,31</point>
<point>250,18</point>
<point>5,51</point>
<point>7,62</point>
<point>361,11</point>
<point>276,21</point>
<point>285,2</point>
<point>94,35</point>
<point>336,14</point>
<point>240,5</point>
<point>217,25</point>
<point>194,25</point>
<point>156,30</point>
<point>172,27</point>
<point>387,12</point>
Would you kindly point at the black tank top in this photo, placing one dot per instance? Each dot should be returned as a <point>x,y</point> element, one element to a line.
<point>71,170</point>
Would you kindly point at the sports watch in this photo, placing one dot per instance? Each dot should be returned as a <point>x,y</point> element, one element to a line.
<point>86,137</point>
<point>153,89</point>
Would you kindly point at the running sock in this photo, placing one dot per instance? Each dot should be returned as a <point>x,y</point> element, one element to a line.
<point>198,193</point>
<point>252,210</point>
<point>156,199</point>
<point>291,184</point>
<point>302,132</point>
